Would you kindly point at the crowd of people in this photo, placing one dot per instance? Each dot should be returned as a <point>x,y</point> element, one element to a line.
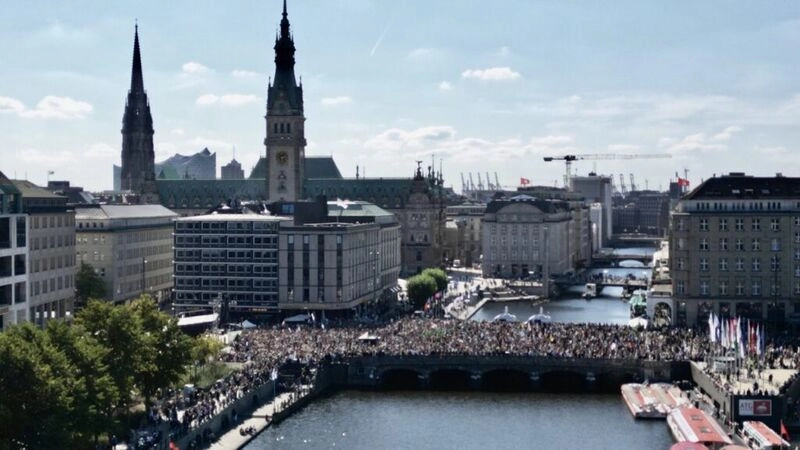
<point>263,351</point>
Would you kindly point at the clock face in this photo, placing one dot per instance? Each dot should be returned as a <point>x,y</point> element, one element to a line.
<point>282,157</point>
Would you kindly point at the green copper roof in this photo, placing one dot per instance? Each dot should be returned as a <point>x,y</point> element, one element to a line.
<point>208,193</point>
<point>316,167</point>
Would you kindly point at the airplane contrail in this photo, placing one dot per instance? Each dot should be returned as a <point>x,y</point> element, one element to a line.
<point>380,39</point>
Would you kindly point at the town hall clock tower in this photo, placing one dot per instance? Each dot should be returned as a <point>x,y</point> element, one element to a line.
<point>285,139</point>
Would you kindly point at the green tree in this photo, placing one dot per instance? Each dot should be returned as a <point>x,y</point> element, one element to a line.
<point>205,347</point>
<point>165,351</point>
<point>438,275</point>
<point>88,285</point>
<point>93,388</point>
<point>36,401</point>
<point>120,331</point>
<point>420,288</point>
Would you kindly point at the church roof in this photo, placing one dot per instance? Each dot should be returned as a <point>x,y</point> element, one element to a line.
<point>208,193</point>
<point>315,167</point>
<point>384,192</point>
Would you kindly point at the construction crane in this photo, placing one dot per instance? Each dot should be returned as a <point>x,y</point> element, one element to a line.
<point>471,183</point>
<point>497,181</point>
<point>569,158</point>
<point>633,185</point>
<point>489,186</point>
<point>464,188</point>
<point>622,189</point>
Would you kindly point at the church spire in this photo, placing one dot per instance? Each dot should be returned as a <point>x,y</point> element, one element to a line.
<point>137,81</point>
<point>284,45</point>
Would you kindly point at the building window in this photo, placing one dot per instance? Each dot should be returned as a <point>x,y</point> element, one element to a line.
<point>703,224</point>
<point>704,264</point>
<point>740,288</point>
<point>680,287</point>
<point>680,263</point>
<point>723,224</point>
<point>723,244</point>
<point>739,264</point>
<point>723,264</point>
<point>756,288</point>
<point>704,287</point>
<point>755,244</point>
<point>756,224</point>
<point>739,245</point>
<point>775,244</point>
<point>739,224</point>
<point>797,221</point>
<point>723,287</point>
<point>704,244</point>
<point>775,263</point>
<point>756,265</point>
<point>775,288</point>
<point>775,224</point>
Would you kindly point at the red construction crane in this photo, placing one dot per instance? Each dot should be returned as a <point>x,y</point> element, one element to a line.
<point>569,158</point>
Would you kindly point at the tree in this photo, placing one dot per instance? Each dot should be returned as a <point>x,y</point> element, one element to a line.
<point>36,400</point>
<point>93,388</point>
<point>420,289</point>
<point>438,275</point>
<point>118,330</point>
<point>88,285</point>
<point>165,350</point>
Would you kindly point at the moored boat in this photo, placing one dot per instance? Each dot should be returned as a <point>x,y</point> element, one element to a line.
<point>759,436</point>
<point>695,425</point>
<point>505,316</point>
<point>652,400</point>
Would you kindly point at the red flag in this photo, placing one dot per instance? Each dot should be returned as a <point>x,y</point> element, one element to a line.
<point>172,446</point>
<point>683,182</point>
<point>524,181</point>
<point>785,432</point>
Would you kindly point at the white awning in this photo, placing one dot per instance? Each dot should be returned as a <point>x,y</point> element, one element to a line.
<point>205,319</point>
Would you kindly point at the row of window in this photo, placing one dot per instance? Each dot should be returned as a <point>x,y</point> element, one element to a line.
<point>53,241</point>
<point>739,288</point>
<point>64,220</point>
<point>53,284</point>
<point>739,244</point>
<point>744,205</point>
<point>738,224</point>
<point>739,264</point>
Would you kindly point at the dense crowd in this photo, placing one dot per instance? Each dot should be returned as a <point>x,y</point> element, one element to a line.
<point>263,351</point>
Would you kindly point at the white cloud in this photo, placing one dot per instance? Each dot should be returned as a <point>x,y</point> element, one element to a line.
<point>333,101</point>
<point>445,86</point>
<point>61,32</point>
<point>776,150</point>
<point>232,100</point>
<point>726,134</point>
<point>697,142</point>
<point>504,51</point>
<point>441,140</point>
<point>48,158</point>
<point>206,99</point>
<point>11,105</point>
<point>50,107</point>
<point>237,99</point>
<point>239,73</point>
<point>192,67</point>
<point>491,74</point>
<point>177,131</point>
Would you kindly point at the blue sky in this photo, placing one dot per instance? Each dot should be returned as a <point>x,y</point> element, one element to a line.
<point>481,85</point>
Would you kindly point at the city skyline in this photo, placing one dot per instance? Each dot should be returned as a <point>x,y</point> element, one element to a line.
<point>483,87</point>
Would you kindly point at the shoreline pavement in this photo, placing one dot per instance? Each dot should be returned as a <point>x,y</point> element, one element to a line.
<point>233,439</point>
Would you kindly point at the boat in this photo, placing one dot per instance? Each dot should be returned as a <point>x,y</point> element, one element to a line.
<point>505,317</point>
<point>695,425</point>
<point>652,400</point>
<point>688,446</point>
<point>541,317</point>
<point>590,291</point>
<point>638,303</point>
<point>761,437</point>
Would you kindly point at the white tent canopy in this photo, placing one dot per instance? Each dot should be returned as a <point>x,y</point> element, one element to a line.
<point>247,325</point>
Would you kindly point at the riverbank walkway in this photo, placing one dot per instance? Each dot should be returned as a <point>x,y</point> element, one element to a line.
<point>259,421</point>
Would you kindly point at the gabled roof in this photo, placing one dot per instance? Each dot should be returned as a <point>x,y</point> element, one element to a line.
<point>315,167</point>
<point>30,190</point>
<point>208,193</point>
<point>546,206</point>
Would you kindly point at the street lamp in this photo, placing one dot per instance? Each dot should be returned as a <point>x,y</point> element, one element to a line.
<point>144,269</point>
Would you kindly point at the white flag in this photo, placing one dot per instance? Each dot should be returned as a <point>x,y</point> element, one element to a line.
<point>274,375</point>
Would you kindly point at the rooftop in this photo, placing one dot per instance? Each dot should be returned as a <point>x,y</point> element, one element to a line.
<point>737,185</point>
<point>122,212</point>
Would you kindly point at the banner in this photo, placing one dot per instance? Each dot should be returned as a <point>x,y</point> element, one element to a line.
<point>750,407</point>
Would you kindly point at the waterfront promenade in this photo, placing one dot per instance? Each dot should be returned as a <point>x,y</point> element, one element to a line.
<point>258,422</point>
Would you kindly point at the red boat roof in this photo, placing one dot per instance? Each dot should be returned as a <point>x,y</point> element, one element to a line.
<point>688,446</point>
<point>762,434</point>
<point>694,425</point>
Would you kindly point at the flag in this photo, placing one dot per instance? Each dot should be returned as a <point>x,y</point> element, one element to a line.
<point>51,172</point>
<point>711,334</point>
<point>785,432</point>
<point>273,375</point>
<point>173,446</point>
<point>683,182</point>
<point>524,181</point>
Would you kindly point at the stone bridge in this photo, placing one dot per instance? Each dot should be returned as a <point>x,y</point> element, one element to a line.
<point>505,372</point>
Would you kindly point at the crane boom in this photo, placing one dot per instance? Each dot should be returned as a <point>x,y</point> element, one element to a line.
<point>568,159</point>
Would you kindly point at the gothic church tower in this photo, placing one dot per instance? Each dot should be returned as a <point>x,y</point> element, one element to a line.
<point>138,157</point>
<point>285,139</point>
